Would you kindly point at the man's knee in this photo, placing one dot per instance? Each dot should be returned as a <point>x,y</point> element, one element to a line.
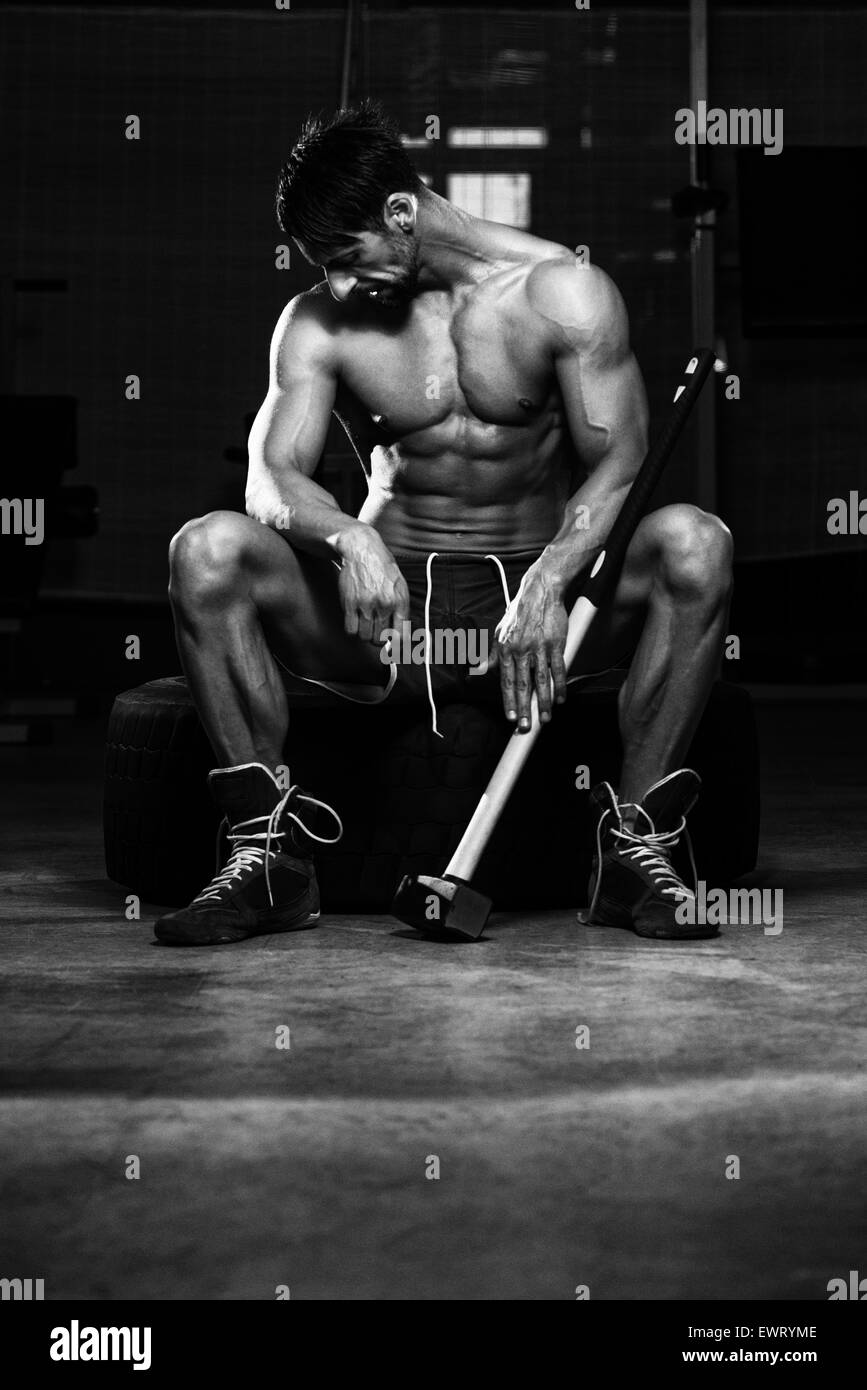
<point>209,553</point>
<point>695,551</point>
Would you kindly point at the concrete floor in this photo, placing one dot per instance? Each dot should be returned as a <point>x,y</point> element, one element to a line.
<point>558,1167</point>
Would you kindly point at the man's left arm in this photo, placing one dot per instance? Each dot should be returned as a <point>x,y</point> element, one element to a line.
<point>606,412</point>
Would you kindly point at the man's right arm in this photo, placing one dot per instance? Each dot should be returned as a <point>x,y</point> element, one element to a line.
<point>288,436</point>
<point>285,446</point>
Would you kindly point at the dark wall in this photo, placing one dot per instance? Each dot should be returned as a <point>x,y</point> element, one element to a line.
<point>795,439</point>
<point>168,245</point>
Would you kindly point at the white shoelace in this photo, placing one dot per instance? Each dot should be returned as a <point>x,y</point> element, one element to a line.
<point>250,856</point>
<point>645,851</point>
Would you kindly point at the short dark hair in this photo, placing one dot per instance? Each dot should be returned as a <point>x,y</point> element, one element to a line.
<point>339,174</point>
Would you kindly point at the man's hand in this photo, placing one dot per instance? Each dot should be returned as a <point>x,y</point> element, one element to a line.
<point>531,638</point>
<point>372,589</point>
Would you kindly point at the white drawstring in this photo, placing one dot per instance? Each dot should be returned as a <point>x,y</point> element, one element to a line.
<point>427,641</point>
<point>250,856</point>
<point>333,686</point>
<point>645,850</point>
<point>498,562</point>
<point>427,632</point>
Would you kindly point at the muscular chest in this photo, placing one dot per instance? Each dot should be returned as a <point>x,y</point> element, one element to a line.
<point>474,360</point>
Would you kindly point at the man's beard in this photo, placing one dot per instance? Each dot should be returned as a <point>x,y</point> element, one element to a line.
<point>396,294</point>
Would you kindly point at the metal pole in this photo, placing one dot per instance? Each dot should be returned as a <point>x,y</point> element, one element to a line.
<point>702,258</point>
<point>347,53</point>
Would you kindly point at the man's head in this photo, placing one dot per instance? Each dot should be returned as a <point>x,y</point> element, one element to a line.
<point>349,195</point>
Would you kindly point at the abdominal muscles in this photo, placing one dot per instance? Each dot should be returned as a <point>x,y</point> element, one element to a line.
<point>466,485</point>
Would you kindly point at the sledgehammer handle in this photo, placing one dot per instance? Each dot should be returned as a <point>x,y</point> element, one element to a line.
<point>468,853</point>
<point>598,587</point>
<point>603,576</point>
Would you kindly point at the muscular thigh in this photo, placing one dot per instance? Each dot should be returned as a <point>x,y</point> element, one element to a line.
<point>299,607</point>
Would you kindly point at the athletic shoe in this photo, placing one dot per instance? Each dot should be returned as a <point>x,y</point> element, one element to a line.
<point>634,883</point>
<point>268,883</point>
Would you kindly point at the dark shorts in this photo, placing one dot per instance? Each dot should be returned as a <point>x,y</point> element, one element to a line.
<point>446,649</point>
<point>443,650</point>
<point>456,601</point>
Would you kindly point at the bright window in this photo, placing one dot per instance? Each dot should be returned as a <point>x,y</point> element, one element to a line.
<point>497,197</point>
<point>498,136</point>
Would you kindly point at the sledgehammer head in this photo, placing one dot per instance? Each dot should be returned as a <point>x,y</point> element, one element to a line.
<point>441,906</point>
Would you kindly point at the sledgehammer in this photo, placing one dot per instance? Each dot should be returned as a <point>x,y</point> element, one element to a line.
<point>448,906</point>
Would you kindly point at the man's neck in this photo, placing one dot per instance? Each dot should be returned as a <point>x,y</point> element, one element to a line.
<point>452,250</point>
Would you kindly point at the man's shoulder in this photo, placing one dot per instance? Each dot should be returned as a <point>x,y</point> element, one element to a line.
<point>573,292</point>
<point>312,308</point>
<point>306,325</point>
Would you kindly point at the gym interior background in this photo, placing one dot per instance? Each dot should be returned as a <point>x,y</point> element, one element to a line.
<point>158,257</point>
